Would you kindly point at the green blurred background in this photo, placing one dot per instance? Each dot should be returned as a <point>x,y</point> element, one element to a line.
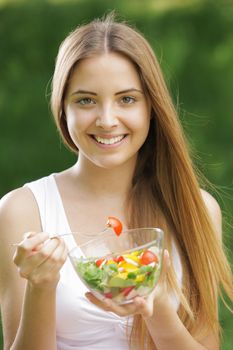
<point>193,40</point>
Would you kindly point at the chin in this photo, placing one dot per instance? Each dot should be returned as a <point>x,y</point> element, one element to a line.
<point>117,163</point>
<point>108,165</point>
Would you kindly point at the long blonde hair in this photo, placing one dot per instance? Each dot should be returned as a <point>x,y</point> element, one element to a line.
<point>165,190</point>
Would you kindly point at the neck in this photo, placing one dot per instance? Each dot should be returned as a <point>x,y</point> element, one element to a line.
<point>104,182</point>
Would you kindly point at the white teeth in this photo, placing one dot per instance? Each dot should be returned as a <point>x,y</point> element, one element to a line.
<point>109,141</point>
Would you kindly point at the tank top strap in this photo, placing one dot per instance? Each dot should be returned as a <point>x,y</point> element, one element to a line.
<point>51,210</point>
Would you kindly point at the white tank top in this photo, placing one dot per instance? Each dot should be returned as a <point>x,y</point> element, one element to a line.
<point>80,325</point>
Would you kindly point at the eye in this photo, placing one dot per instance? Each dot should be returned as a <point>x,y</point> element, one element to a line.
<point>128,99</point>
<point>85,101</point>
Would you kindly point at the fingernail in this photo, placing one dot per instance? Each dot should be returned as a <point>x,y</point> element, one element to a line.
<point>27,235</point>
<point>55,238</point>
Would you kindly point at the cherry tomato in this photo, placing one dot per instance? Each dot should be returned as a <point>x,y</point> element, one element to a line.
<point>115,224</point>
<point>148,257</point>
<point>127,290</point>
<point>119,258</point>
<point>99,262</point>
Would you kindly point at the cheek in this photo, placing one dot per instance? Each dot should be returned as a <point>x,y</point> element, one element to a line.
<point>77,122</point>
<point>140,121</point>
<point>73,123</point>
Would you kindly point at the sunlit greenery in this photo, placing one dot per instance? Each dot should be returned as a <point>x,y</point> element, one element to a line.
<point>194,43</point>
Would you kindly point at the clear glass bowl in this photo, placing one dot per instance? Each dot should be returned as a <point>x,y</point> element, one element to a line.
<point>120,267</point>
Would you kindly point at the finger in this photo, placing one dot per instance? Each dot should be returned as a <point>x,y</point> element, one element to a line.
<point>29,234</point>
<point>45,252</point>
<point>49,270</point>
<point>105,304</point>
<point>109,305</point>
<point>144,306</point>
<point>43,261</point>
<point>58,256</point>
<point>31,242</point>
<point>26,246</point>
<point>56,253</point>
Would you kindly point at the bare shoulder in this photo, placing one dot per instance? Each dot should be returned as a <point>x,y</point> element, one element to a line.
<point>214,211</point>
<point>18,212</point>
<point>17,196</point>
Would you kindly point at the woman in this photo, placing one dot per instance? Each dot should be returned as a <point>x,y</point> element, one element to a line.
<point>112,108</point>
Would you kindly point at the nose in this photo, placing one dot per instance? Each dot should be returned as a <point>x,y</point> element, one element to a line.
<point>107,118</point>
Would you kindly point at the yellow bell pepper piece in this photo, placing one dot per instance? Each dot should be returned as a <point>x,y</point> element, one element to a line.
<point>128,267</point>
<point>140,278</point>
<point>122,275</point>
<point>111,262</point>
<point>135,253</point>
<point>132,257</point>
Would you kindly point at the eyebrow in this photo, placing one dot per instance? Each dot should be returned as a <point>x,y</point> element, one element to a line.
<point>117,93</point>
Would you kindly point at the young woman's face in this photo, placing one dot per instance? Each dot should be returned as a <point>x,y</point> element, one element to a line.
<point>108,115</point>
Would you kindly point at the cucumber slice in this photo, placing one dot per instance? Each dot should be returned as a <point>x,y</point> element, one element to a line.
<point>121,283</point>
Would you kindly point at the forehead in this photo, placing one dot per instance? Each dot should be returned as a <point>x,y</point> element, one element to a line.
<point>110,69</point>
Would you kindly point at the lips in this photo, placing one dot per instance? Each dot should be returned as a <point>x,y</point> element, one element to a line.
<point>108,140</point>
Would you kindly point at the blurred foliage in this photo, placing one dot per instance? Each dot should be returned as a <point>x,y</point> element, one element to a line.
<point>194,43</point>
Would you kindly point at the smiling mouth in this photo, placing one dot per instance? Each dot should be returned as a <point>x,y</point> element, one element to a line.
<point>108,141</point>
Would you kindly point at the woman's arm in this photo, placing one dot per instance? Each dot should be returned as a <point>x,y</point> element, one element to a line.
<point>27,305</point>
<point>165,326</point>
<point>169,333</point>
<point>162,320</point>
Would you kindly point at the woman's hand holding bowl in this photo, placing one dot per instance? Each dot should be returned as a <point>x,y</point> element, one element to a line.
<point>139,305</point>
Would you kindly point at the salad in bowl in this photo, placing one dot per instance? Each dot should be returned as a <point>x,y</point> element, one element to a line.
<point>120,265</point>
